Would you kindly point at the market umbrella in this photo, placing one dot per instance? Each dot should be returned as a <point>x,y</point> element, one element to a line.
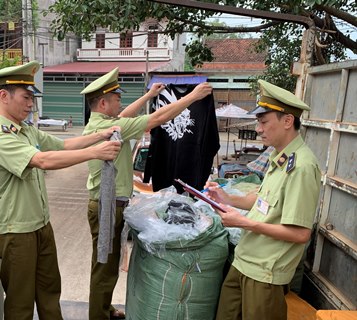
<point>229,112</point>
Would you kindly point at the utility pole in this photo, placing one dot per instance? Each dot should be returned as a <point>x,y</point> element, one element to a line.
<point>28,31</point>
<point>5,29</point>
<point>43,52</point>
<point>147,78</point>
<point>146,68</point>
<point>24,30</point>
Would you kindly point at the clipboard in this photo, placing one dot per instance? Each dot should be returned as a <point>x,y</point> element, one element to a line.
<point>199,195</point>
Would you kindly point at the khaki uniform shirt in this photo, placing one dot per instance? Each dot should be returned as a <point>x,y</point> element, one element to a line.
<point>23,196</point>
<point>288,195</point>
<point>131,128</point>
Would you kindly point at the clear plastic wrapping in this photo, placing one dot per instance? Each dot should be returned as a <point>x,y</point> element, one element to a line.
<point>163,217</point>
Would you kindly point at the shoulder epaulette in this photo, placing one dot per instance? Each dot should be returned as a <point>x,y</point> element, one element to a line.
<point>5,129</point>
<point>28,122</point>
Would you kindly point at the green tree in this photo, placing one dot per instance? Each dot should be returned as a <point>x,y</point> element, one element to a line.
<point>216,23</point>
<point>9,62</point>
<point>10,10</point>
<point>334,21</point>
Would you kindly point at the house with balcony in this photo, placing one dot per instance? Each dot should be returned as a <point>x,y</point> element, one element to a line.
<point>136,53</point>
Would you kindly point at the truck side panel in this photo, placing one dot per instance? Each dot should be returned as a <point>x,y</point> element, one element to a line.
<point>331,132</point>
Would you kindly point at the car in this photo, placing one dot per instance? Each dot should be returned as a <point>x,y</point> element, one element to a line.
<point>140,154</point>
<point>46,122</point>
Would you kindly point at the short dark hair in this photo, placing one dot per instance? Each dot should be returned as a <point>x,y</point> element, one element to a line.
<point>297,122</point>
<point>12,87</point>
<point>92,102</point>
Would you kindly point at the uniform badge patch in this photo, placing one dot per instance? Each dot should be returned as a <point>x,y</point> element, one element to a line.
<point>291,162</point>
<point>282,159</point>
<point>13,129</point>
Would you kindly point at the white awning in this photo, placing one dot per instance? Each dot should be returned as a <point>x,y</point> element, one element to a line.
<point>233,111</point>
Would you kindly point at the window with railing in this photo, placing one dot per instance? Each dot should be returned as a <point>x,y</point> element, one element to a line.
<point>126,40</point>
<point>152,36</point>
<point>100,40</point>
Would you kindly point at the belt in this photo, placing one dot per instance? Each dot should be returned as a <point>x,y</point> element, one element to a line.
<point>122,203</point>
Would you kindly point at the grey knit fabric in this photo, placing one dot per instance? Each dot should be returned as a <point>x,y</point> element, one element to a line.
<point>107,207</point>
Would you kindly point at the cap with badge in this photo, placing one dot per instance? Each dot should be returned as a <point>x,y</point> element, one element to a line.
<point>21,75</point>
<point>274,98</point>
<point>105,84</point>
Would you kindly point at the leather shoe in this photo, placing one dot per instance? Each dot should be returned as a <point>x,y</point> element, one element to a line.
<point>117,314</point>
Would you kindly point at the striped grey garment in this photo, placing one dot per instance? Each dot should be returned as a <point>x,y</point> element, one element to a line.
<point>261,164</point>
<point>107,207</point>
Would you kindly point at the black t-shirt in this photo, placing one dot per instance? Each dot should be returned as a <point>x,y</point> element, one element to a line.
<point>183,148</point>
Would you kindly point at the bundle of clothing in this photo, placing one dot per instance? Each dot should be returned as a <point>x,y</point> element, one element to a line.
<point>177,261</point>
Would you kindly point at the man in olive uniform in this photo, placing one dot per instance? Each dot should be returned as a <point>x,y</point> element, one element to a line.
<point>29,269</point>
<point>103,96</point>
<point>281,214</point>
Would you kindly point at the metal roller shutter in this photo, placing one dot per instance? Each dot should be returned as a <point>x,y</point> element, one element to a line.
<point>134,90</point>
<point>61,100</point>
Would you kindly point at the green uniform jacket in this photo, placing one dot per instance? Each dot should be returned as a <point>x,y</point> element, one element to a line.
<point>23,195</point>
<point>288,195</point>
<point>131,128</point>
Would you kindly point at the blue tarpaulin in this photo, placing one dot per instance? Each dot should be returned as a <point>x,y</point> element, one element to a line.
<point>177,80</point>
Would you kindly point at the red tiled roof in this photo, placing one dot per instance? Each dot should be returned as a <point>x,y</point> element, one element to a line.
<point>235,50</point>
<point>224,66</point>
<point>125,67</point>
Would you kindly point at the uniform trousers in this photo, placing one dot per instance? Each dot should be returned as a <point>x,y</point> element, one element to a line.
<point>243,298</point>
<point>29,274</point>
<point>104,276</point>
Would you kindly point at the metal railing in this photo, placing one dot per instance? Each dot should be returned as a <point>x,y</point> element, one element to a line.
<point>11,54</point>
<point>124,54</point>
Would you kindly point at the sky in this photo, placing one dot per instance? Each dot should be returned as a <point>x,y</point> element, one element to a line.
<point>234,20</point>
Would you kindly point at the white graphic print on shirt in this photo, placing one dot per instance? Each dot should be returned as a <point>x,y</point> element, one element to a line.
<point>177,127</point>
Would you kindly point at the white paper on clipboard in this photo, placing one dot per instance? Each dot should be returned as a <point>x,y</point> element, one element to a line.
<point>199,195</point>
